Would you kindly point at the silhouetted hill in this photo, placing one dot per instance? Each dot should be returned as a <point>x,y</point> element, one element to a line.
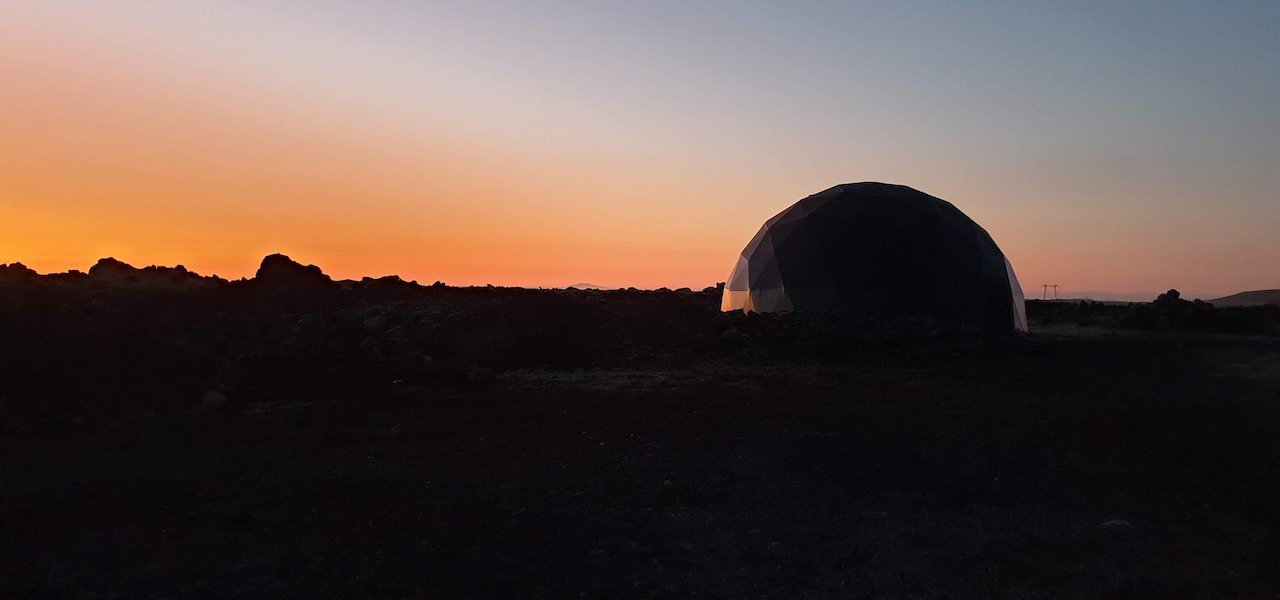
<point>1253,298</point>
<point>279,273</point>
<point>16,272</point>
<point>1035,293</point>
<point>110,271</point>
<point>107,269</point>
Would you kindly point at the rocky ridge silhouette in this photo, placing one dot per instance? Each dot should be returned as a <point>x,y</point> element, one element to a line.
<point>277,273</point>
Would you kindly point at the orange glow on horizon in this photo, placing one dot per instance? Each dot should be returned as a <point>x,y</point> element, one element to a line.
<point>124,167</point>
<point>172,148</point>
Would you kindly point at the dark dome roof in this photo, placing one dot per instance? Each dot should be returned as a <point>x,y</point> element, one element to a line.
<point>877,250</point>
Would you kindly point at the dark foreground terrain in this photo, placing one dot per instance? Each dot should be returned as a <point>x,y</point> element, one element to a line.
<point>293,436</point>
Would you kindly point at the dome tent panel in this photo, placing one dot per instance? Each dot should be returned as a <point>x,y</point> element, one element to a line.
<point>1018,299</point>
<point>880,251</point>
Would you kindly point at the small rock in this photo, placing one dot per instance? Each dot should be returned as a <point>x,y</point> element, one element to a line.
<point>377,322</point>
<point>734,336</point>
<point>214,399</point>
<point>1116,523</point>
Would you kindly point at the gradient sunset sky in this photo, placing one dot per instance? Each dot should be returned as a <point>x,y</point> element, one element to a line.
<point>1126,147</point>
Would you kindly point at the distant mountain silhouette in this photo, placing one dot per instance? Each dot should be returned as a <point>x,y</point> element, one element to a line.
<point>1095,295</point>
<point>1253,298</point>
<point>587,286</point>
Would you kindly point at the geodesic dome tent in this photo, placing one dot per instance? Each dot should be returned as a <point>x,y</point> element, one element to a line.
<point>881,251</point>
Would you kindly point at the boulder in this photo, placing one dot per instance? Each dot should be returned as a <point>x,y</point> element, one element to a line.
<point>110,271</point>
<point>16,273</point>
<point>213,399</point>
<point>279,273</point>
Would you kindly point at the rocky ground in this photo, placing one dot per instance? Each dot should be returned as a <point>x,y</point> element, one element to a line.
<point>166,434</point>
